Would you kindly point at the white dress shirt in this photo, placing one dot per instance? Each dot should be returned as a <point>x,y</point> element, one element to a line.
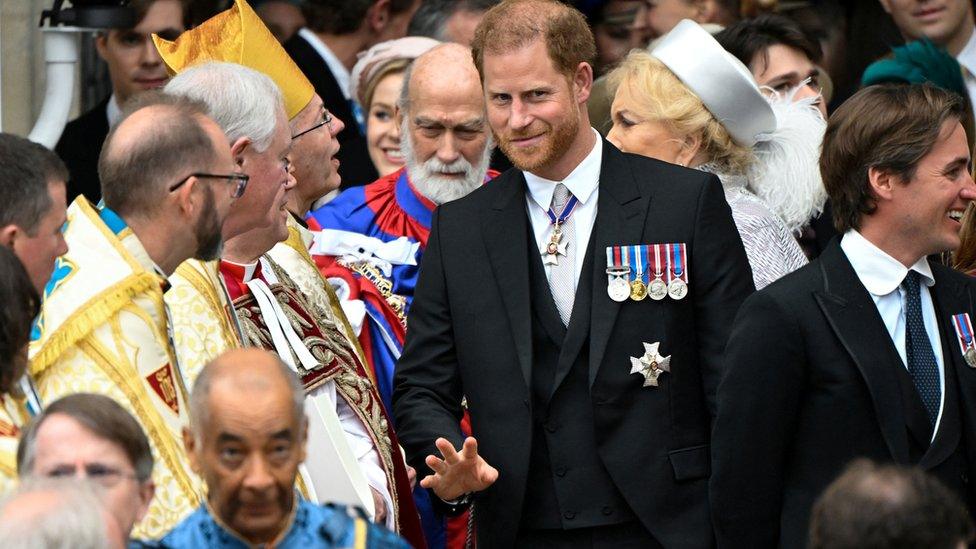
<point>113,112</point>
<point>882,275</point>
<point>339,71</point>
<point>584,183</point>
<point>967,58</point>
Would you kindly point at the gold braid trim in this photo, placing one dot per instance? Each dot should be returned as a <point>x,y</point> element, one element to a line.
<point>296,243</point>
<point>168,448</point>
<point>96,312</point>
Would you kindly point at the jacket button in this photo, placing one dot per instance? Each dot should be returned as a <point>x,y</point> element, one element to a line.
<point>607,510</point>
<point>560,471</point>
<point>569,515</point>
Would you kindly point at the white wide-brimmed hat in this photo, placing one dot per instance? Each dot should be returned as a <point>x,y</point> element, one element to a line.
<point>721,81</point>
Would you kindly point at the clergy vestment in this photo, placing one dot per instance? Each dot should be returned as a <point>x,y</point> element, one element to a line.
<point>204,324</point>
<point>311,525</point>
<point>336,371</point>
<point>13,417</point>
<point>103,329</point>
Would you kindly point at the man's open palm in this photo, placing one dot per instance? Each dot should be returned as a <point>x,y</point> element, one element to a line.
<point>459,472</point>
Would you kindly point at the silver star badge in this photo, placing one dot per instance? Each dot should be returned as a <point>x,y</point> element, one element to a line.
<point>651,364</point>
<point>553,249</point>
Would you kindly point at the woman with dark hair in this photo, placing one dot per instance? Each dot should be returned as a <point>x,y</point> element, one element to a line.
<point>19,306</point>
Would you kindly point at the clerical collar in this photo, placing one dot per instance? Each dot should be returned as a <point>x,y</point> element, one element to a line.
<point>582,181</point>
<point>244,272</point>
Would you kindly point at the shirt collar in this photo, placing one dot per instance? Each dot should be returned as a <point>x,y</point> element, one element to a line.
<point>582,181</point>
<point>880,273</point>
<point>967,57</point>
<point>112,111</point>
<point>242,272</point>
<point>339,71</point>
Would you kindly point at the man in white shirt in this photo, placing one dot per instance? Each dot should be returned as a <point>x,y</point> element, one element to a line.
<point>948,23</point>
<point>326,51</point>
<point>133,66</point>
<point>868,351</point>
<point>591,407</point>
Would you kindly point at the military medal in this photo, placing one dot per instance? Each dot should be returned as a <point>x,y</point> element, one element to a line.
<point>638,291</point>
<point>618,272</point>
<point>651,364</point>
<point>657,289</point>
<point>964,334</point>
<point>556,246</point>
<point>677,287</point>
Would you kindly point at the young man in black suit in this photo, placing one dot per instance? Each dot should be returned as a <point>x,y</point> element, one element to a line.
<point>868,351</point>
<point>591,410</point>
<point>327,49</point>
<point>134,65</point>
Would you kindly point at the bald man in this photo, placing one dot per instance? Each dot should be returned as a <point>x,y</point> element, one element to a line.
<point>167,182</point>
<point>374,236</point>
<point>246,441</point>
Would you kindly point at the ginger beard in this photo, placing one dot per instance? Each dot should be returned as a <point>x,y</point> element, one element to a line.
<point>556,139</point>
<point>437,188</point>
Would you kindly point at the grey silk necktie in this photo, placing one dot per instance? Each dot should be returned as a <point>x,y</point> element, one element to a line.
<point>562,276</point>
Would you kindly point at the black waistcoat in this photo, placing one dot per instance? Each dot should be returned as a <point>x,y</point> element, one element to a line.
<point>568,486</point>
<point>944,456</point>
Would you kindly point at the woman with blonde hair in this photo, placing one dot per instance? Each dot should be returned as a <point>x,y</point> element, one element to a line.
<point>376,81</point>
<point>690,102</point>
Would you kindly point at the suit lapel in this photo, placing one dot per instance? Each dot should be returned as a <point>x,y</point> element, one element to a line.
<point>854,318</point>
<point>504,227</point>
<point>579,321</point>
<point>621,211</point>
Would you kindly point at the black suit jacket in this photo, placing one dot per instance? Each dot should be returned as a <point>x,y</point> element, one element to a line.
<point>813,383</point>
<point>356,168</point>
<point>470,335</point>
<point>79,147</point>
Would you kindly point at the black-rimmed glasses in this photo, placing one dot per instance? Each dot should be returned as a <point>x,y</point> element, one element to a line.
<point>239,178</point>
<point>326,121</point>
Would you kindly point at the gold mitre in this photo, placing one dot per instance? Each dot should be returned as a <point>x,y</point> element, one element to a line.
<point>239,36</point>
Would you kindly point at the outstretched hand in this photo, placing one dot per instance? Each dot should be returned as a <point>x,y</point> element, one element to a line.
<point>458,473</point>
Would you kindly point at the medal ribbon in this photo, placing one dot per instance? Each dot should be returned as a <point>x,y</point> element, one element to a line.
<point>678,252</point>
<point>567,211</point>
<point>658,267</point>
<point>964,330</point>
<point>639,261</point>
<point>646,273</point>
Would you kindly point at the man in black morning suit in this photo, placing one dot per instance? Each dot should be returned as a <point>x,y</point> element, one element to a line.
<point>134,66</point>
<point>573,449</point>
<point>856,355</point>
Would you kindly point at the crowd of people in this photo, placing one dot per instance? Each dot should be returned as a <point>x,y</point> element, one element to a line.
<point>325,274</point>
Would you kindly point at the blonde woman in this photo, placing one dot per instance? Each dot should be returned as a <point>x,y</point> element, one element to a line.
<point>377,79</point>
<point>689,102</point>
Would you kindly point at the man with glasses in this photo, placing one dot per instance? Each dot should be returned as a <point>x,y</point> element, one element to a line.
<point>168,182</point>
<point>252,112</point>
<point>91,436</point>
<point>262,291</point>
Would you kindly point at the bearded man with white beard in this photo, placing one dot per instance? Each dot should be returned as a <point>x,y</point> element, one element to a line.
<point>372,238</point>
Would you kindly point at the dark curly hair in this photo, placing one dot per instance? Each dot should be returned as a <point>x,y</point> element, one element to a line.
<point>19,306</point>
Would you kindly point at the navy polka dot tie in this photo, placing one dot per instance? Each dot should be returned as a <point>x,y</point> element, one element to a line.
<point>921,359</point>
